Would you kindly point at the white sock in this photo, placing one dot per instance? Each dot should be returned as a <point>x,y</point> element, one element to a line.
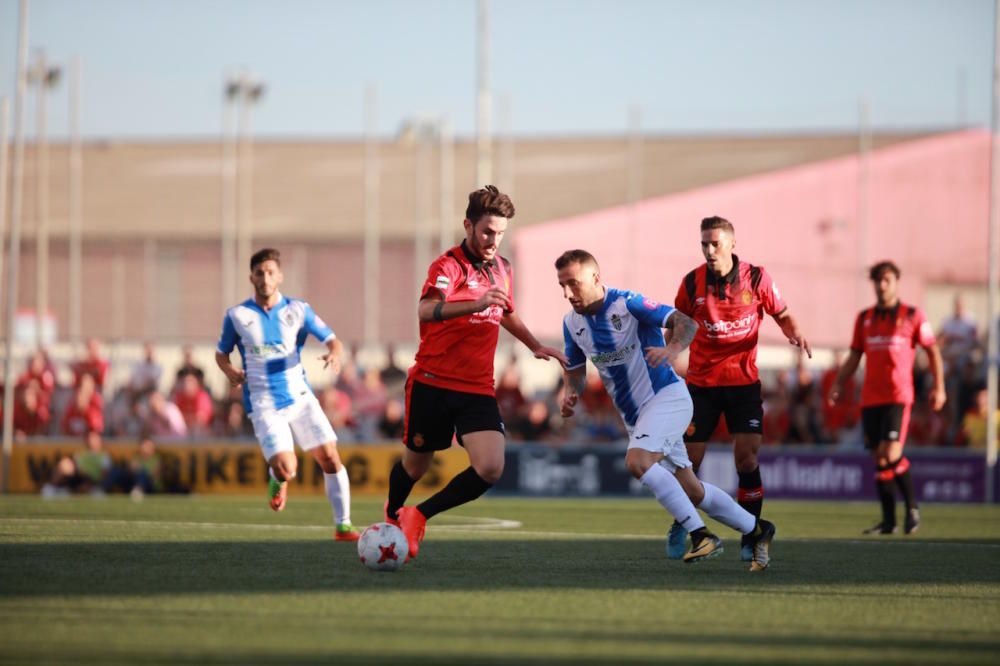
<point>338,491</point>
<point>671,495</point>
<point>723,508</point>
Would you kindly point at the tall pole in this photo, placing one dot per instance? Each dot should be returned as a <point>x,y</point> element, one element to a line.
<point>373,234</point>
<point>250,93</point>
<point>151,304</point>
<point>484,148</point>
<point>421,239</point>
<point>75,286</point>
<point>244,178</point>
<point>864,205</point>
<point>227,195</point>
<point>504,122</point>
<point>993,288</point>
<point>4,140</point>
<point>16,204</point>
<point>446,139</point>
<point>45,77</point>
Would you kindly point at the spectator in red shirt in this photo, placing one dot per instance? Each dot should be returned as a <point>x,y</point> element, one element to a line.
<point>38,370</point>
<point>195,405</point>
<point>888,335</point>
<point>93,365</point>
<point>85,412</point>
<point>468,295</point>
<point>728,298</point>
<point>31,411</point>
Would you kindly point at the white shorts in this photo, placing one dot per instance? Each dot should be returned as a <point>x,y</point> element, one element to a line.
<point>303,423</point>
<point>661,425</point>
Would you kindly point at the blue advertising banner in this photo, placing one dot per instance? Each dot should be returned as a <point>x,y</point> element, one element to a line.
<point>804,473</point>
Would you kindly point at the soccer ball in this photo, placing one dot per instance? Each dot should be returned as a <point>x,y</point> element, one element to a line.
<point>383,547</point>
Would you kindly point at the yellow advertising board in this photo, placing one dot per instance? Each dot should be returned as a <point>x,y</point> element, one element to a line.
<point>236,468</point>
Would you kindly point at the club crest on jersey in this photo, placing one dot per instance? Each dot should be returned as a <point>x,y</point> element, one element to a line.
<point>418,440</point>
<point>616,321</point>
<point>747,298</point>
<point>289,319</point>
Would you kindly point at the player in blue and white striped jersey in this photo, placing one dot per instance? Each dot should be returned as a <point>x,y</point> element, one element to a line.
<point>269,330</point>
<point>621,333</point>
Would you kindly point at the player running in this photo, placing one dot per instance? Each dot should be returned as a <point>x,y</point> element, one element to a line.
<point>728,298</point>
<point>269,330</point>
<point>888,335</point>
<point>468,295</point>
<point>621,332</point>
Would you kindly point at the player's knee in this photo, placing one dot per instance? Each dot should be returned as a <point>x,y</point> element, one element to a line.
<point>695,493</point>
<point>637,464</point>
<point>746,461</point>
<point>490,471</point>
<point>284,470</point>
<point>328,460</point>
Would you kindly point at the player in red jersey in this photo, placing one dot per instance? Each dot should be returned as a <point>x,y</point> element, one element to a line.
<point>888,335</point>
<point>468,295</point>
<point>728,298</point>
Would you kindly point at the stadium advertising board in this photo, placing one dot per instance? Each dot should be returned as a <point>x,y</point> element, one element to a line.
<point>946,476</point>
<point>227,468</point>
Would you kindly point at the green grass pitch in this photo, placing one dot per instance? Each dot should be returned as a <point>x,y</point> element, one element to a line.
<point>206,580</point>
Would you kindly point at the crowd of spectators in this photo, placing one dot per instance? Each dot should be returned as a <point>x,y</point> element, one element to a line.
<point>367,404</point>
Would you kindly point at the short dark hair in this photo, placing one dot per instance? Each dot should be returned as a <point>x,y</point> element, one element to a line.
<point>581,257</point>
<point>488,201</point>
<point>716,222</point>
<point>876,271</point>
<point>267,254</point>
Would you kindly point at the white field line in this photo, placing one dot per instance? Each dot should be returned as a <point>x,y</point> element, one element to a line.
<point>479,524</point>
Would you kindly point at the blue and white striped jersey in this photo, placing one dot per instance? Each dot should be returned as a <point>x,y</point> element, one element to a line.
<point>614,340</point>
<point>269,344</point>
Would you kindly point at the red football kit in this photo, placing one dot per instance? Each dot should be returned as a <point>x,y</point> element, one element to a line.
<point>728,311</point>
<point>457,354</point>
<point>888,338</point>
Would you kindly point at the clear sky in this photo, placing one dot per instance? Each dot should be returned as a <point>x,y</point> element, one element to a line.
<point>154,68</point>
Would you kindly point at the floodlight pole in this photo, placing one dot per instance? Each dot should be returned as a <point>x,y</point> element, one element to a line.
<point>16,204</point>
<point>373,237</point>
<point>75,286</point>
<point>484,148</point>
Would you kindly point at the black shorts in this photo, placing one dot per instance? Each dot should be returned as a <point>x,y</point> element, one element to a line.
<point>435,415</point>
<point>885,423</point>
<point>742,406</point>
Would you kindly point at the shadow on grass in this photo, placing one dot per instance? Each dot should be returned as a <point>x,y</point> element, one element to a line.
<point>223,567</point>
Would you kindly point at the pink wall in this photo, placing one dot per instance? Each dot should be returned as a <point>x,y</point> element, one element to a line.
<point>929,211</point>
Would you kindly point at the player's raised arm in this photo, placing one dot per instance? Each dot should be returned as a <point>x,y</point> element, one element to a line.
<point>433,307</point>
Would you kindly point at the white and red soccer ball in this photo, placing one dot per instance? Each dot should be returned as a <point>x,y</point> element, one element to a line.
<point>383,547</point>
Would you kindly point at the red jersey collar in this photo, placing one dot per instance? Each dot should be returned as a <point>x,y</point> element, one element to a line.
<point>721,282</point>
<point>477,262</point>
